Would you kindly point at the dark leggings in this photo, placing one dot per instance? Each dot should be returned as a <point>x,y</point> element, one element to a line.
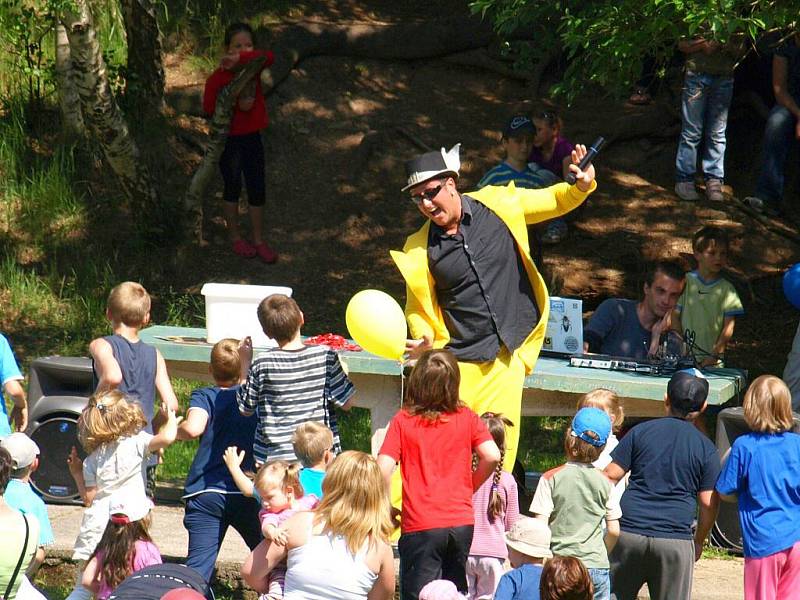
<point>243,155</point>
<point>433,554</point>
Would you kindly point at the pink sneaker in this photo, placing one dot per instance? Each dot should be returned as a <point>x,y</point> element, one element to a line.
<point>244,249</point>
<point>266,254</point>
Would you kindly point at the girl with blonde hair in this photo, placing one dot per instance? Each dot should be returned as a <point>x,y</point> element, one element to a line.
<point>111,431</point>
<point>340,550</point>
<point>762,473</point>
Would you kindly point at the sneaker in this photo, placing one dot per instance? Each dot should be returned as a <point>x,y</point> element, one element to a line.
<point>556,232</point>
<point>686,191</point>
<point>754,202</point>
<point>266,254</point>
<point>714,190</point>
<point>763,207</point>
<point>244,249</point>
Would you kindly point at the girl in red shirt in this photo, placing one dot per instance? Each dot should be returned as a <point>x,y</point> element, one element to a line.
<point>244,152</point>
<point>433,437</point>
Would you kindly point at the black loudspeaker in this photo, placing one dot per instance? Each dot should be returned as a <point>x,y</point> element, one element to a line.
<point>727,532</point>
<point>59,388</point>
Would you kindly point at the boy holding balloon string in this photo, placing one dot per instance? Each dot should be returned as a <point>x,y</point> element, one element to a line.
<point>291,384</point>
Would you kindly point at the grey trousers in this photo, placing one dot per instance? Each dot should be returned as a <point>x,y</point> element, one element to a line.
<point>665,565</point>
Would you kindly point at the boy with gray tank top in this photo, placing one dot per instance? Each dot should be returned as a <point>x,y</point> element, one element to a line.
<point>122,361</point>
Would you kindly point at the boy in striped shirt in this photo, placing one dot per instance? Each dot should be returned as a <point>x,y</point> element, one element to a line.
<point>291,384</point>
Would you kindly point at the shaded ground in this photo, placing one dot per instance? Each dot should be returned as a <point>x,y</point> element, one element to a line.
<point>335,208</point>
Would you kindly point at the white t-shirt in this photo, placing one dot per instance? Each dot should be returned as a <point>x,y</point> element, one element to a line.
<point>122,464</point>
<point>117,467</point>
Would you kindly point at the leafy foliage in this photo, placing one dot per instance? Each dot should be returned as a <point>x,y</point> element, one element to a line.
<point>606,41</point>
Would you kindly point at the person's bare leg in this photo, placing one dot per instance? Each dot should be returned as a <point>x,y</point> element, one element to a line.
<point>231,212</point>
<point>257,223</point>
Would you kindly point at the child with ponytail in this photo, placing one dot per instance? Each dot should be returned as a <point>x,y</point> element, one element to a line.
<point>126,546</point>
<point>496,508</point>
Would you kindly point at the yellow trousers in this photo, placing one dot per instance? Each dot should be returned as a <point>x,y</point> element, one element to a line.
<point>494,386</point>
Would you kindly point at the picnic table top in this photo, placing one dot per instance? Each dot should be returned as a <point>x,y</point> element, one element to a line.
<point>187,344</point>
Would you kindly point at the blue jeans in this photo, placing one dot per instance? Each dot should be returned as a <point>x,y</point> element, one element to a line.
<point>704,110</point>
<point>207,518</point>
<point>778,140</point>
<point>601,582</point>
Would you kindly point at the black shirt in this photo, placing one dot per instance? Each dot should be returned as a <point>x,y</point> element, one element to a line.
<point>481,285</point>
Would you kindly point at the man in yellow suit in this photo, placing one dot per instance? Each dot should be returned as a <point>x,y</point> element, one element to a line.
<point>471,285</point>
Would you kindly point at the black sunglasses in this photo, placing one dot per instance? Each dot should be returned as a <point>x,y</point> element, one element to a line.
<point>428,195</point>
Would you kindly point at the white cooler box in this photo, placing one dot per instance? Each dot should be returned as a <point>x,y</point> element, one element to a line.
<point>231,311</point>
<point>564,333</point>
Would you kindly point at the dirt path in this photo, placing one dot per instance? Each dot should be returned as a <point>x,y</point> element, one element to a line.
<point>714,579</point>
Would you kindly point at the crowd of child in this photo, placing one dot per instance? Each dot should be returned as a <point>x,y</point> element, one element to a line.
<point>616,515</point>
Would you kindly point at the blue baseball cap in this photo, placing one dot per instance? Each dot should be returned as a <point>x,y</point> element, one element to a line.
<point>592,420</point>
<point>518,125</point>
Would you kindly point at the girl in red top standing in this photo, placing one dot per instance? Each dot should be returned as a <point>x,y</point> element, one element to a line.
<point>433,437</point>
<point>244,152</point>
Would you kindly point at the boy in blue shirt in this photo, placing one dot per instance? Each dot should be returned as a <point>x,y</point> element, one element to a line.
<point>517,140</point>
<point>20,495</point>
<point>213,502</point>
<point>313,446</point>
<point>11,377</point>
<point>528,545</point>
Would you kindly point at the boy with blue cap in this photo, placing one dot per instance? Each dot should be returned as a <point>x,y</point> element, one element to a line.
<point>575,499</point>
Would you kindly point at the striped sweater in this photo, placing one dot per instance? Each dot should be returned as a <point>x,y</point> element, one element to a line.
<point>288,387</point>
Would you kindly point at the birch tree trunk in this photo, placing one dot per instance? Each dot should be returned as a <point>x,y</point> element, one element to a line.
<point>217,134</point>
<point>71,116</point>
<point>145,90</point>
<point>101,112</point>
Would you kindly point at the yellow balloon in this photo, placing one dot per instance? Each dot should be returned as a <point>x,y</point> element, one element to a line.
<point>377,323</point>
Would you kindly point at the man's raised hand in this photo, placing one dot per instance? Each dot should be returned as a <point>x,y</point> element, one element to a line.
<point>583,179</point>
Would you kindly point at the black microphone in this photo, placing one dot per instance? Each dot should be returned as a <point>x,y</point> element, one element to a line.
<point>587,160</point>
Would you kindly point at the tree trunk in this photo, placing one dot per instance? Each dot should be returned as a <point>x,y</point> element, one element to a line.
<point>217,134</point>
<point>101,113</point>
<point>71,117</point>
<point>145,84</point>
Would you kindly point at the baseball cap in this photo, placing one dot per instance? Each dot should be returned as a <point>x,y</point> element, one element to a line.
<point>594,420</point>
<point>687,390</point>
<point>531,537</point>
<point>23,450</point>
<point>127,508</point>
<point>518,125</point>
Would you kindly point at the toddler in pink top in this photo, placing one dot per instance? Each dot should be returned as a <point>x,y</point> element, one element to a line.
<point>277,488</point>
<point>496,507</point>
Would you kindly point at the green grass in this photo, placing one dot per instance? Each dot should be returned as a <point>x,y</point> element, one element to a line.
<point>541,442</point>
<point>712,552</point>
